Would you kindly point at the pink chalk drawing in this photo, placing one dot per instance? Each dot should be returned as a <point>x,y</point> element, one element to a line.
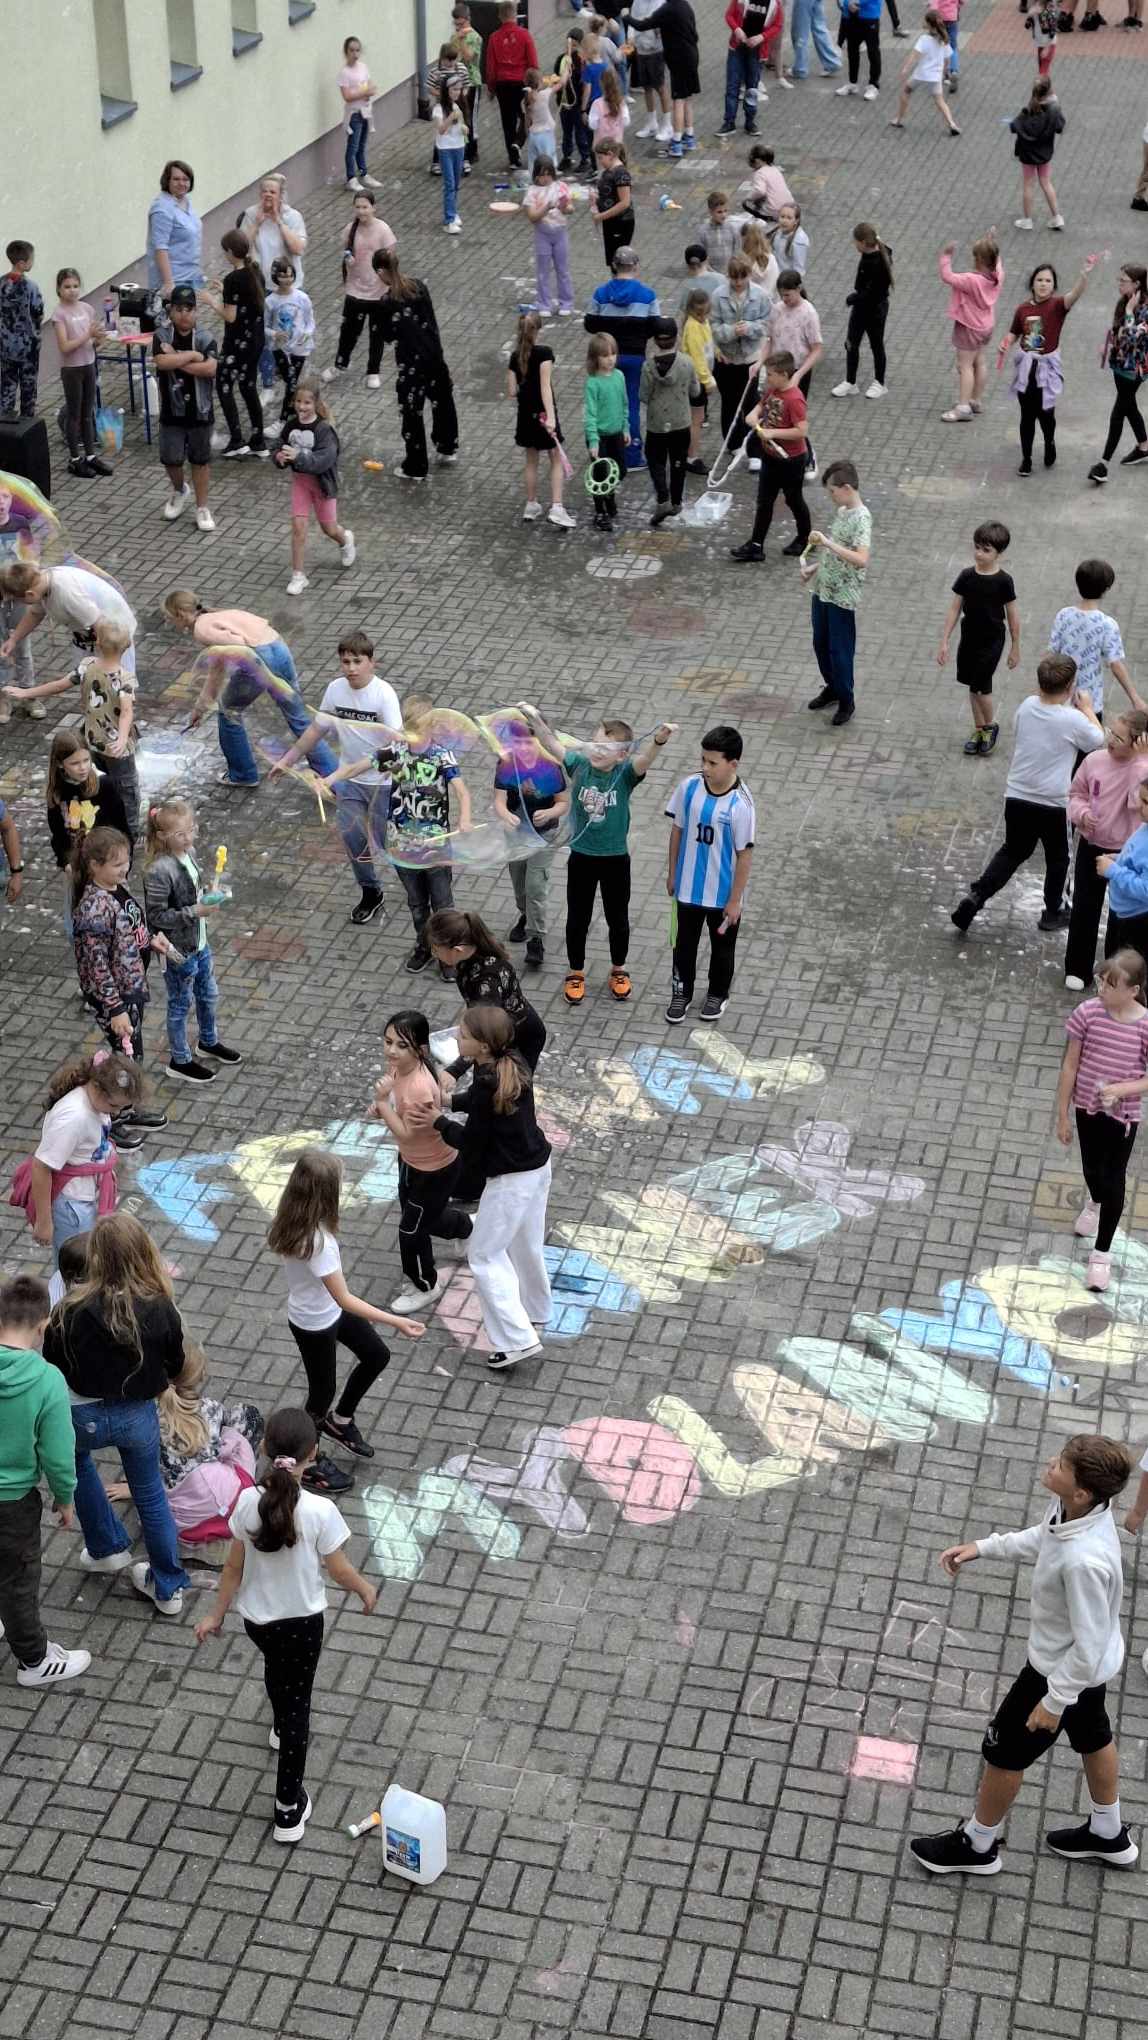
<point>895,1763</point>
<point>648,1472</point>
<point>819,1161</point>
<point>536,1483</point>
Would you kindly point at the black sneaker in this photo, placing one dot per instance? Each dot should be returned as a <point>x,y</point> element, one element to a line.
<point>419,959</point>
<point>991,736</point>
<point>1050,451</point>
<point>748,551</point>
<point>964,913</point>
<point>218,1053</point>
<point>535,953</point>
<point>713,1008</point>
<point>566,163</point>
<point>1098,472</point>
<point>96,466</point>
<point>1139,205</point>
<point>698,467</point>
<point>127,1137</point>
<point>678,1007</point>
<point>728,127</point>
<point>1081,1845</point>
<point>753,129</point>
<point>149,1121</point>
<point>259,447</point>
<point>975,746</point>
<point>660,515</point>
<point>289,1824</point>
<point>794,549</point>
<point>191,1072</point>
<point>825,699</point>
<point>843,715</point>
<point>1025,468</point>
<point>349,1436</point>
<point>518,932</point>
<point>370,904</point>
<point>1133,459</point>
<point>954,1851</point>
<point>82,467</point>
<point>235,450</point>
<point>1049,924</point>
<point>446,972</point>
<point>323,1477</point>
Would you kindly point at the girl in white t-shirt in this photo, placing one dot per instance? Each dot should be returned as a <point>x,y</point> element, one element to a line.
<point>284,1540</point>
<point>928,64</point>
<point>322,1312</point>
<point>72,1175</point>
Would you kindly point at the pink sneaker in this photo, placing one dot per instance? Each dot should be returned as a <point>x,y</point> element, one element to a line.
<point>1099,1272</point>
<point>1087,1222</point>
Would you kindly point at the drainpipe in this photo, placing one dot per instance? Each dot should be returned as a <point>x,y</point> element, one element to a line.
<point>421,59</point>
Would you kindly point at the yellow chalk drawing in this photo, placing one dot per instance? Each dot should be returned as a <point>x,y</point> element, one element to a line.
<point>766,1077</point>
<point>799,1426</point>
<point>263,1166</point>
<point>1032,1300</point>
<point>664,1239</point>
<point>616,1102</point>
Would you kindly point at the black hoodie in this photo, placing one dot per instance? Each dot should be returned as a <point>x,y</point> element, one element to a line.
<point>101,1368</point>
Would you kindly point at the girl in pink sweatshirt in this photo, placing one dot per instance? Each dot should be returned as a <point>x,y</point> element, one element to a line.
<point>972,301</point>
<point>1104,810</point>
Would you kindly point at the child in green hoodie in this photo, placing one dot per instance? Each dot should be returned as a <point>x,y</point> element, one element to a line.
<point>37,1442</point>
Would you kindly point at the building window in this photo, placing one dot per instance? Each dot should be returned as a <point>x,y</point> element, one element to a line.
<point>298,10</point>
<point>112,63</point>
<point>183,55</point>
<point>245,31</point>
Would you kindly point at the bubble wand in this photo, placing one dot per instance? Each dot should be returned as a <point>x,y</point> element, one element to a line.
<point>308,779</point>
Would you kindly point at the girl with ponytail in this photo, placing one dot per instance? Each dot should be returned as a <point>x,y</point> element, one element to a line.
<point>284,1540</point>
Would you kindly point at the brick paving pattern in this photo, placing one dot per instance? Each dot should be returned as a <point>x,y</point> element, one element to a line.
<point>636,1678</point>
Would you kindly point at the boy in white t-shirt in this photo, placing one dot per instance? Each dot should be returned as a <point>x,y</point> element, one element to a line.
<point>359,698</point>
<point>1051,726</point>
<point>928,64</point>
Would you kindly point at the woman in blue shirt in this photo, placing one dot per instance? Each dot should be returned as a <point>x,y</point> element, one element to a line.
<point>174,232</point>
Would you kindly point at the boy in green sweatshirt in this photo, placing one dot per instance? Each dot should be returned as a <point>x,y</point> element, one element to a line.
<point>37,1443</point>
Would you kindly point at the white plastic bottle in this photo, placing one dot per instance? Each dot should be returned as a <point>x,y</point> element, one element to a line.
<point>414,1835</point>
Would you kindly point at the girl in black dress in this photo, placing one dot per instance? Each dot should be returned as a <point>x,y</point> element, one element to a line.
<point>240,306</point>
<point>530,382</point>
<point>422,375</point>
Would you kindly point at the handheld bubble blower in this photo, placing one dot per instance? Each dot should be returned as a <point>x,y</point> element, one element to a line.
<point>668,204</point>
<point>220,890</point>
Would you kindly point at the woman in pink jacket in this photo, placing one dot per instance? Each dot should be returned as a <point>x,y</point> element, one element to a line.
<point>973,294</point>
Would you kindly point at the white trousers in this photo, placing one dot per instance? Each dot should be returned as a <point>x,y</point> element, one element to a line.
<point>506,1258</point>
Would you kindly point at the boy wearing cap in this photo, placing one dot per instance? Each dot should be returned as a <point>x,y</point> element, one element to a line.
<point>184,356</point>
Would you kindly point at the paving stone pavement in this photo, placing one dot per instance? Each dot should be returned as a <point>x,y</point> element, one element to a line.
<point>654,1673</point>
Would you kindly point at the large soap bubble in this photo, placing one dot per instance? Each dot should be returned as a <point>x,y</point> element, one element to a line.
<point>30,531</point>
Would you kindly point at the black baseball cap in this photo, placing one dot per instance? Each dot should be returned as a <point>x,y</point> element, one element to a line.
<point>184,296</point>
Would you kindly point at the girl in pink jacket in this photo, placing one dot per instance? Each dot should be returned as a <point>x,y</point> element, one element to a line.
<point>973,294</point>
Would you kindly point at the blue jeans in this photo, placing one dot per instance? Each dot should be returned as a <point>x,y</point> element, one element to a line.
<point>742,70</point>
<point>133,1428</point>
<point>70,1218</point>
<point>808,18</point>
<point>450,163</point>
<point>834,643</point>
<point>355,159</point>
<point>234,742</point>
<point>194,978</point>
<point>361,825</point>
<point>955,60</point>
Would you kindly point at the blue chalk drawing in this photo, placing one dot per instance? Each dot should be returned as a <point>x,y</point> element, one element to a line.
<point>670,1079</point>
<point>179,1191</point>
<point>970,1324</point>
<point>580,1285</point>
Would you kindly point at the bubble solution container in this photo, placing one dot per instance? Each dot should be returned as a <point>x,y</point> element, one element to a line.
<point>414,1835</point>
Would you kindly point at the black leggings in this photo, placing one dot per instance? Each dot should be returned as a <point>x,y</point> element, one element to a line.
<point>859,32</point>
<point>866,322</point>
<point>781,478</point>
<point>317,1350</point>
<point>584,875</point>
<point>1088,895</point>
<point>425,1211</point>
<point>616,234</point>
<point>1131,932</point>
<point>666,457</point>
<point>240,372</point>
<point>1125,411</point>
<point>1033,414</point>
<point>290,1653</point>
<point>80,408</point>
<point>289,368</point>
<point>530,1037</point>
<point>414,390</point>
<point>357,313</point>
<point>1106,1146</point>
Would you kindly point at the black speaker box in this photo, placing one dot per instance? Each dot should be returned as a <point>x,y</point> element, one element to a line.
<point>24,452</point>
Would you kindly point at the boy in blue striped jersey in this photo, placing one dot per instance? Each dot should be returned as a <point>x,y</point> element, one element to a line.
<point>711,849</point>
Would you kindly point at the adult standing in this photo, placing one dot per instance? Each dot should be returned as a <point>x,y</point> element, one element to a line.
<point>117,1339</point>
<point>174,231</point>
<point>650,73</point>
<point>275,228</point>
<point>675,23</point>
<point>241,631</point>
<point>808,19</point>
<point>510,54</point>
<point>359,94</point>
<point>422,375</point>
<point>1038,378</point>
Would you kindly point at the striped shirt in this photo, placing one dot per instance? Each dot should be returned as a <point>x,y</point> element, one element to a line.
<point>1111,1052</point>
<point>714,827</point>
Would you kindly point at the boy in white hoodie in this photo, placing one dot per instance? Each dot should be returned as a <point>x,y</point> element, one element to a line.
<point>1074,1648</point>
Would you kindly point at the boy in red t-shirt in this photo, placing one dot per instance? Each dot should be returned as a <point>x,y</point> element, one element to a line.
<point>510,54</point>
<point>778,418</point>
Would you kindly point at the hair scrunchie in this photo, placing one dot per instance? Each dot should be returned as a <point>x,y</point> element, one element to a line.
<point>287,1464</point>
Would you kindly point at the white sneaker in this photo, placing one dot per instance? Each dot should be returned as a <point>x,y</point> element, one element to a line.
<point>754,466</point>
<point>871,92</point>
<point>374,382</point>
<point>177,502</point>
<point>1025,226</point>
<point>353,184</point>
<point>273,1738</point>
<point>877,389</point>
<point>347,549</point>
<point>1087,1220</point>
<point>786,84</point>
<point>56,1665</point>
<point>647,133</point>
<point>297,583</point>
<point>329,374</point>
<point>844,389</point>
<point>531,511</point>
<point>408,1301</point>
<point>453,227</point>
<point>848,91</point>
<point>1074,984</point>
<point>145,1586</point>
<point>371,183</point>
<point>204,518</point>
<point>288,1829</point>
<point>36,711</point>
<point>116,1561</point>
<point>1056,222</point>
<point>666,131</point>
<point>558,514</point>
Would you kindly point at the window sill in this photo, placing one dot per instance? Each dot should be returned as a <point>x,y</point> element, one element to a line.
<point>244,39</point>
<point>113,111</point>
<point>184,74</point>
<point>299,10</point>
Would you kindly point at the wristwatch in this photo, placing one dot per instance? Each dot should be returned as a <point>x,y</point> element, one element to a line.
<point>14,870</point>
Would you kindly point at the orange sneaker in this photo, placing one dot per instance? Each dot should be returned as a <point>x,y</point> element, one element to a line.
<point>575,987</point>
<point>620,985</point>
